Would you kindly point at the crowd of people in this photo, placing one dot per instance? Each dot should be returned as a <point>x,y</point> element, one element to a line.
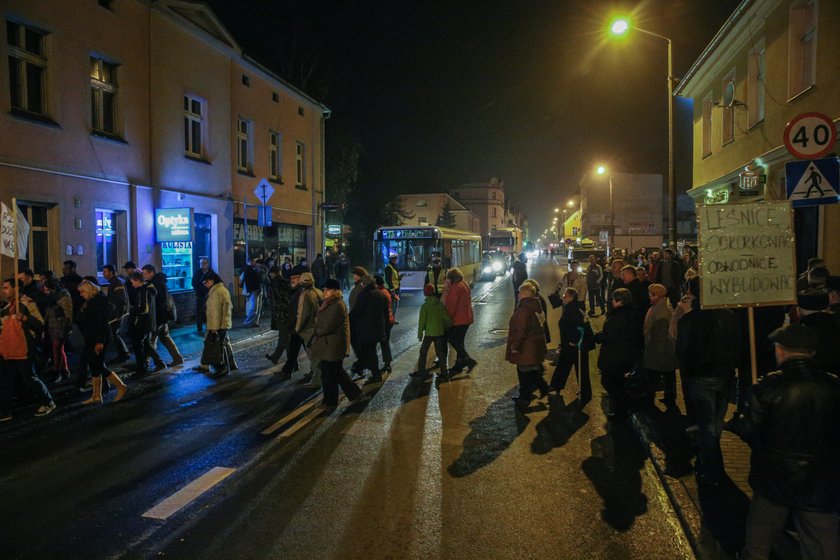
<point>655,326</point>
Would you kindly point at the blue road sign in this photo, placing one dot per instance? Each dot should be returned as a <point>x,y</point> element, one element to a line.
<point>812,182</point>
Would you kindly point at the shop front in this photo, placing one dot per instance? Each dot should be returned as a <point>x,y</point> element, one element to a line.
<point>185,238</point>
<point>277,241</point>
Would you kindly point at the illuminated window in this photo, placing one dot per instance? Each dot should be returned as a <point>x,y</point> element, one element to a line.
<point>27,68</point>
<point>802,47</point>
<point>194,124</point>
<point>300,164</point>
<point>727,113</point>
<point>103,95</point>
<point>274,167</point>
<point>708,103</point>
<point>243,145</point>
<point>106,238</point>
<point>756,69</point>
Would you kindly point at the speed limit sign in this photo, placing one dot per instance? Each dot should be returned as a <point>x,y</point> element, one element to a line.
<point>810,136</point>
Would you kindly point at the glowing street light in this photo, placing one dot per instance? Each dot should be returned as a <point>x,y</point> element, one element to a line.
<point>619,27</point>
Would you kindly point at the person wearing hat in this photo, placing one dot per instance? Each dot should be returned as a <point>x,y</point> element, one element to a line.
<point>813,312</point>
<point>832,286</point>
<point>793,426</point>
<point>641,301</point>
<point>309,300</point>
<point>436,275</point>
<point>359,273</point>
<point>295,341</point>
<point>279,292</point>
<point>331,344</point>
<point>431,329</point>
<point>392,282</point>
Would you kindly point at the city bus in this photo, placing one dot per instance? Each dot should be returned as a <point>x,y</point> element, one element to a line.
<point>414,246</point>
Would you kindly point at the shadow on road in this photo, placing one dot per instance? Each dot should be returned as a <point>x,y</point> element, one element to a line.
<point>557,428</point>
<point>614,469</point>
<point>489,436</point>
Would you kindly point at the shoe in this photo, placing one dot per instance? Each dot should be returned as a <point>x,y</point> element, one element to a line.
<point>62,377</point>
<point>121,391</point>
<point>5,416</point>
<point>386,368</point>
<point>417,374</point>
<point>45,409</point>
<point>158,367</point>
<point>271,359</point>
<point>175,363</point>
<point>283,375</point>
<point>201,369</point>
<point>305,379</point>
<point>220,373</point>
<point>471,365</point>
<point>360,399</point>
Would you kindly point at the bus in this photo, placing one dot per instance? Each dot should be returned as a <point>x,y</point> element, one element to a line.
<point>507,240</point>
<point>414,246</point>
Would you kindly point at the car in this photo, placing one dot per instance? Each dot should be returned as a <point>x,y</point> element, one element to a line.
<point>493,264</point>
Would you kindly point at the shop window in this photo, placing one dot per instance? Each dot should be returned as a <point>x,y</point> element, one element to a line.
<point>300,166</point>
<point>195,114</point>
<point>106,239</point>
<point>802,47</point>
<point>103,96</point>
<point>202,247</point>
<point>756,69</point>
<point>243,145</point>
<point>274,151</point>
<point>27,68</point>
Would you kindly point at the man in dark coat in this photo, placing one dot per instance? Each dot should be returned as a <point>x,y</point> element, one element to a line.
<point>200,291</point>
<point>319,271</point>
<point>793,427</point>
<point>70,281</point>
<point>368,318</point>
<point>621,345</point>
<point>279,295</point>
<point>571,355</point>
<point>670,275</point>
<point>163,314</point>
<point>141,324</point>
<point>813,312</point>
<point>519,275</point>
<point>641,299</point>
<point>295,341</point>
<point>119,308</point>
<point>708,352</point>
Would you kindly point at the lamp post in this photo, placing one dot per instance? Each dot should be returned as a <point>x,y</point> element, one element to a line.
<point>601,170</point>
<point>620,27</point>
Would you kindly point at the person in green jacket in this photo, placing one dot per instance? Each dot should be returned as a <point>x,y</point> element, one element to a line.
<point>434,322</point>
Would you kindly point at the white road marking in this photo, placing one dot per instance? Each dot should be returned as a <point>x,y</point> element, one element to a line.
<point>293,429</point>
<point>188,493</point>
<point>289,417</point>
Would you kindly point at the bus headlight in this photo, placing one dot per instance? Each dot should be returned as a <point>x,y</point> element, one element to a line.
<point>497,267</point>
<point>487,270</point>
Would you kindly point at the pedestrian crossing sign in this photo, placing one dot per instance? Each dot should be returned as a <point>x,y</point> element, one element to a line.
<point>812,182</point>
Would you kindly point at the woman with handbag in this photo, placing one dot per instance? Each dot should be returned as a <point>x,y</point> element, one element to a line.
<point>218,351</point>
<point>97,334</point>
<point>526,346</point>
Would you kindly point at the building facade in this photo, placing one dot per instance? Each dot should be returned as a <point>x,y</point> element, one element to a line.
<point>637,203</point>
<point>139,131</point>
<point>426,208</point>
<point>771,61</point>
<point>486,200</point>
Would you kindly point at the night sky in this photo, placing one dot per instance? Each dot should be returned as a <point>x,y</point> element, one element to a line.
<point>443,92</point>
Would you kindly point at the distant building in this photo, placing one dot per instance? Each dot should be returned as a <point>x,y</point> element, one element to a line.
<point>428,207</point>
<point>638,200</point>
<point>486,200</point>
<point>779,59</point>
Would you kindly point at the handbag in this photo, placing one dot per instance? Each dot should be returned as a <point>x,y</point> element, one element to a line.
<point>214,350</point>
<point>555,300</point>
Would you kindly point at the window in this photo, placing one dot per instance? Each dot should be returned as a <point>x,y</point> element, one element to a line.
<point>243,145</point>
<point>300,166</point>
<point>300,111</point>
<point>275,97</point>
<point>802,47</point>
<point>103,95</point>
<point>274,167</point>
<point>756,69</point>
<point>194,115</point>
<point>707,124</point>
<point>106,238</point>
<point>246,81</point>
<point>38,252</point>
<point>727,113</point>
<point>494,211</point>
<point>27,68</point>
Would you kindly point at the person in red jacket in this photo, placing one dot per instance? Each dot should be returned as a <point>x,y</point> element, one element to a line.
<point>459,307</point>
<point>526,346</point>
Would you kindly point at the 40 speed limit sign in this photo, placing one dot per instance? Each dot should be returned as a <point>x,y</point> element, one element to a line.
<point>810,136</point>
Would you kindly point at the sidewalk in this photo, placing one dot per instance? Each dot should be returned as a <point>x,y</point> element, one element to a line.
<point>713,518</point>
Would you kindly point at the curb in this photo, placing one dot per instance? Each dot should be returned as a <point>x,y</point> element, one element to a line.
<point>680,501</point>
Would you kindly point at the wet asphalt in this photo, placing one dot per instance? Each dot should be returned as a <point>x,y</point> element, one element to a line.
<point>424,469</point>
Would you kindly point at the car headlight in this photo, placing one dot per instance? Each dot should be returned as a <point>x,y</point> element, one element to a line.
<point>497,267</point>
<point>487,270</point>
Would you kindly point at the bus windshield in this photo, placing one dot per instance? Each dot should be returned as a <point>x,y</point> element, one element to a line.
<point>412,254</point>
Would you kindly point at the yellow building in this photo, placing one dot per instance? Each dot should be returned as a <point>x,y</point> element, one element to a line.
<point>571,227</point>
<point>770,62</point>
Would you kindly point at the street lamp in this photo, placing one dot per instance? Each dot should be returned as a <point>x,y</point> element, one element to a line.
<point>619,27</point>
<point>601,170</point>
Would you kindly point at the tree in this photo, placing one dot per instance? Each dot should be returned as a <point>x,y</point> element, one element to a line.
<point>446,218</point>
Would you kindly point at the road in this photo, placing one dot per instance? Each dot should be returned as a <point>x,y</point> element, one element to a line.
<point>248,467</point>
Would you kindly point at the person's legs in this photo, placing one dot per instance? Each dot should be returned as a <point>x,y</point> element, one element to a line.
<point>7,388</point>
<point>565,362</point>
<point>329,379</point>
<point>422,359</point>
<point>31,382</point>
<point>351,390</point>
<point>200,313</point>
<point>150,342</point>
<point>370,360</point>
<point>59,356</point>
<point>282,344</point>
<point>295,344</point>
<point>457,339</point>
<point>613,382</point>
<point>765,523</point>
<point>709,401</point>
<point>818,534</point>
<point>592,300</point>
<point>169,344</point>
<point>385,345</point>
<point>250,306</point>
<point>441,349</point>
<point>670,394</point>
<point>138,344</point>
<point>258,308</point>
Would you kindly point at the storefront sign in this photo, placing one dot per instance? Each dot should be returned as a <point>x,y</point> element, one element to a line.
<point>747,254</point>
<point>749,183</point>
<point>334,230</point>
<point>173,224</point>
<point>719,197</point>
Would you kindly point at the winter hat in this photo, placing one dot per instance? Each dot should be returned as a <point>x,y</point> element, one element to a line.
<point>332,284</point>
<point>378,280</point>
<point>307,278</point>
<point>795,337</point>
<point>428,290</point>
<point>813,299</point>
